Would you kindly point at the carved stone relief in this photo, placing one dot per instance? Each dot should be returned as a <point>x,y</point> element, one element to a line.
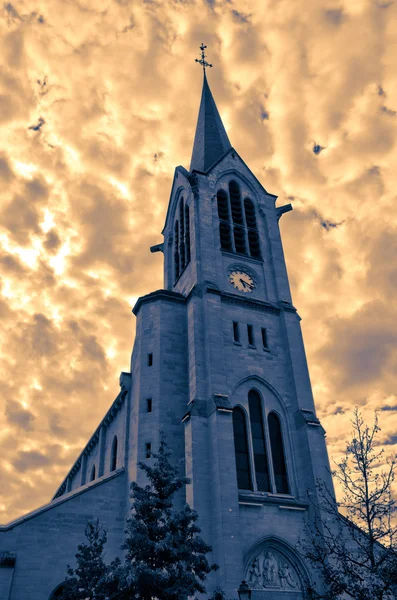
<point>272,570</point>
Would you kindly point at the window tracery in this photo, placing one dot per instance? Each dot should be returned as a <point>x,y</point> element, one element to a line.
<point>181,239</point>
<point>261,465</point>
<point>238,228</point>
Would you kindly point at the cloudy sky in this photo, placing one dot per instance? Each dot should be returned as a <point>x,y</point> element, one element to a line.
<point>98,104</point>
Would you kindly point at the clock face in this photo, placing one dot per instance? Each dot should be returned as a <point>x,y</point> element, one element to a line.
<point>241,281</point>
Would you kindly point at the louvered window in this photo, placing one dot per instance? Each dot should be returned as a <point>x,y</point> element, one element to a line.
<point>181,240</point>
<point>238,229</point>
<point>225,232</point>
<point>241,450</point>
<point>276,444</point>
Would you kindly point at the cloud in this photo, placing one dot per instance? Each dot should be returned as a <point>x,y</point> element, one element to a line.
<point>98,104</point>
<point>369,350</point>
<point>30,460</point>
<point>19,416</point>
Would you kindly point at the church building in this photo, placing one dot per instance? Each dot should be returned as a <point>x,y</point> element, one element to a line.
<point>219,364</point>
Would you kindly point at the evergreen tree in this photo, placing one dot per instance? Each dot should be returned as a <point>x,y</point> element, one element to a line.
<point>165,556</point>
<point>83,582</point>
<point>353,544</point>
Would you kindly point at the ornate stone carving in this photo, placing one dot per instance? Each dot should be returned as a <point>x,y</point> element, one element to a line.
<point>272,570</point>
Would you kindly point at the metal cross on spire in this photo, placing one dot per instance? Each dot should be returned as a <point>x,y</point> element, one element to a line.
<point>202,61</point>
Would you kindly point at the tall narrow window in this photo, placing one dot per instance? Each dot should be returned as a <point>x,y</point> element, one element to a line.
<point>148,450</point>
<point>253,236</point>
<point>176,251</point>
<point>258,442</point>
<point>241,450</point>
<point>276,444</point>
<point>150,360</point>
<point>237,217</point>
<point>264,338</point>
<point>187,234</point>
<point>92,476</point>
<point>251,339</point>
<point>113,454</point>
<point>182,235</point>
<point>236,331</point>
<point>148,405</point>
<point>224,221</point>
<point>181,239</point>
<point>237,222</point>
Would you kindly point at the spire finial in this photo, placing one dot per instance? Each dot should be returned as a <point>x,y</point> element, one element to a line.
<point>202,61</point>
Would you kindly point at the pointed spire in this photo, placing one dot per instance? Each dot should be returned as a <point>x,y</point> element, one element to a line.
<point>211,141</point>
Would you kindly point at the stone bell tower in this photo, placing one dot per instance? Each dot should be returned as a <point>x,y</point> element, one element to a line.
<point>252,443</point>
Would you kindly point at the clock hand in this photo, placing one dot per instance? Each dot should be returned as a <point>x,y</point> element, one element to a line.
<point>246,284</point>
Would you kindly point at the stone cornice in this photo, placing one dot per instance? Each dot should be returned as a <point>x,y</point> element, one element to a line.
<point>158,295</point>
<point>281,500</point>
<point>248,302</point>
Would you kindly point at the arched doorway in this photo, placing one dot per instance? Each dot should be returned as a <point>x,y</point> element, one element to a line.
<point>57,593</point>
<point>273,572</point>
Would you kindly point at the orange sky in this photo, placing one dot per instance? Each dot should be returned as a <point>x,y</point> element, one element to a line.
<point>98,104</point>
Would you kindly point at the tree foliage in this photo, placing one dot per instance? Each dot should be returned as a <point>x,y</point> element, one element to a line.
<point>88,580</point>
<point>352,544</point>
<point>164,558</point>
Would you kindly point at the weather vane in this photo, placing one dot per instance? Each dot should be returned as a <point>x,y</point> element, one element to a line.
<point>202,61</point>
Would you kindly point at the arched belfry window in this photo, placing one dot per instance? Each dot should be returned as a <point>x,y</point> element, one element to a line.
<point>238,228</point>
<point>252,229</point>
<point>181,239</point>
<point>278,457</point>
<point>258,442</point>
<point>225,231</point>
<point>176,250</point>
<point>113,454</point>
<point>92,476</point>
<point>241,450</point>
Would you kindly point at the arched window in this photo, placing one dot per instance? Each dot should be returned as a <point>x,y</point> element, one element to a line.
<point>243,469</point>
<point>187,234</point>
<point>181,240</point>
<point>276,444</point>
<point>237,217</point>
<point>182,235</point>
<point>224,221</point>
<point>92,476</point>
<point>237,222</point>
<point>258,442</point>
<point>113,454</point>
<point>253,236</point>
<point>176,250</point>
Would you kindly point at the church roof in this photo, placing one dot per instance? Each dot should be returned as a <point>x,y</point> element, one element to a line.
<point>211,141</point>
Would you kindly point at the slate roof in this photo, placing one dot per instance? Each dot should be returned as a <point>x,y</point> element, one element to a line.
<point>211,141</point>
